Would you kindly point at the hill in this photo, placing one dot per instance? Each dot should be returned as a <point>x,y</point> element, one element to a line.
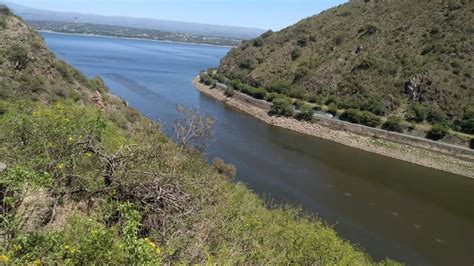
<point>407,59</point>
<point>33,14</point>
<point>86,180</point>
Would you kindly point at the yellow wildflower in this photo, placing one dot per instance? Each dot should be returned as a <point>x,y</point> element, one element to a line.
<point>157,250</point>
<point>4,259</point>
<point>94,232</point>
<point>36,263</point>
<point>60,166</point>
<point>88,154</point>
<point>70,140</point>
<point>16,248</point>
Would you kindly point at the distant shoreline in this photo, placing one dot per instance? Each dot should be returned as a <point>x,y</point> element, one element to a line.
<point>129,38</point>
<point>393,149</point>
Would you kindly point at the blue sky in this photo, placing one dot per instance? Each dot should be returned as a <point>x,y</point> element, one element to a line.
<point>265,14</point>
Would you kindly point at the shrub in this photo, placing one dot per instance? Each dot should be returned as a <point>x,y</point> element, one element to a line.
<point>393,123</point>
<point>418,113</point>
<point>369,119</point>
<point>296,53</point>
<point>206,79</point>
<point>314,98</point>
<point>301,72</point>
<point>467,122</point>
<point>298,103</point>
<point>229,92</point>
<point>273,95</point>
<point>258,93</point>
<point>333,99</point>
<point>19,57</point>
<point>332,109</point>
<point>64,70</point>
<point>437,132</point>
<point>305,113</point>
<point>435,115</point>
<point>258,42</point>
<point>351,115</point>
<point>222,168</point>
<point>281,106</point>
<point>279,86</point>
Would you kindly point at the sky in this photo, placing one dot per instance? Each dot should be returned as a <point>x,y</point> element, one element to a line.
<point>264,14</point>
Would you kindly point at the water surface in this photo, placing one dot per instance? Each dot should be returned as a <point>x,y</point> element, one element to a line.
<point>389,208</point>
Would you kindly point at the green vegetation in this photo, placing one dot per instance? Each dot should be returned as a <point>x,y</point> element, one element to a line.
<point>361,117</point>
<point>206,79</point>
<point>90,181</point>
<point>358,56</point>
<point>438,131</point>
<point>281,106</point>
<point>305,113</point>
<point>393,123</point>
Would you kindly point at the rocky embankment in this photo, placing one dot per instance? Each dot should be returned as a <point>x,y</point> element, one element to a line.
<point>419,156</point>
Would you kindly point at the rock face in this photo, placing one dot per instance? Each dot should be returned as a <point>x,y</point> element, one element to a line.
<point>417,87</point>
<point>35,210</point>
<point>96,99</point>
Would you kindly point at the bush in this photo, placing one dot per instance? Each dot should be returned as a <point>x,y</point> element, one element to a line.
<point>332,109</point>
<point>273,95</point>
<point>361,117</point>
<point>301,72</point>
<point>418,113</point>
<point>333,99</point>
<point>351,115</point>
<point>229,92</point>
<point>467,122</point>
<point>258,93</point>
<point>393,123</point>
<point>281,106</point>
<point>206,79</point>
<point>369,119</point>
<point>279,86</point>
<point>19,57</point>
<point>296,53</point>
<point>222,168</point>
<point>438,131</point>
<point>305,113</point>
<point>435,115</point>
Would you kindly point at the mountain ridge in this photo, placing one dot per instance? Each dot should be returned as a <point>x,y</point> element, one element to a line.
<point>392,58</point>
<point>34,14</point>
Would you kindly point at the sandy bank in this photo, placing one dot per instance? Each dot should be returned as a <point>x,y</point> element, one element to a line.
<point>462,166</point>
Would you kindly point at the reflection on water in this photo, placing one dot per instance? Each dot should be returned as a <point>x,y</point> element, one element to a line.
<point>391,208</point>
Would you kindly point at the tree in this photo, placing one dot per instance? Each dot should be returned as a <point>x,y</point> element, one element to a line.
<point>193,129</point>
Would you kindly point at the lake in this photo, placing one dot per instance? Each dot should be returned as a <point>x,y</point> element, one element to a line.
<point>387,207</point>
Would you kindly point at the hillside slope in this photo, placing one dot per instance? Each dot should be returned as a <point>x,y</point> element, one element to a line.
<point>386,57</point>
<point>86,180</point>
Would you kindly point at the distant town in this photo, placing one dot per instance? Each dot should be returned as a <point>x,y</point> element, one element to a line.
<point>130,32</point>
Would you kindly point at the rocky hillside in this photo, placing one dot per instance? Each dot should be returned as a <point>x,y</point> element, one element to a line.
<point>386,57</point>
<point>86,180</point>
